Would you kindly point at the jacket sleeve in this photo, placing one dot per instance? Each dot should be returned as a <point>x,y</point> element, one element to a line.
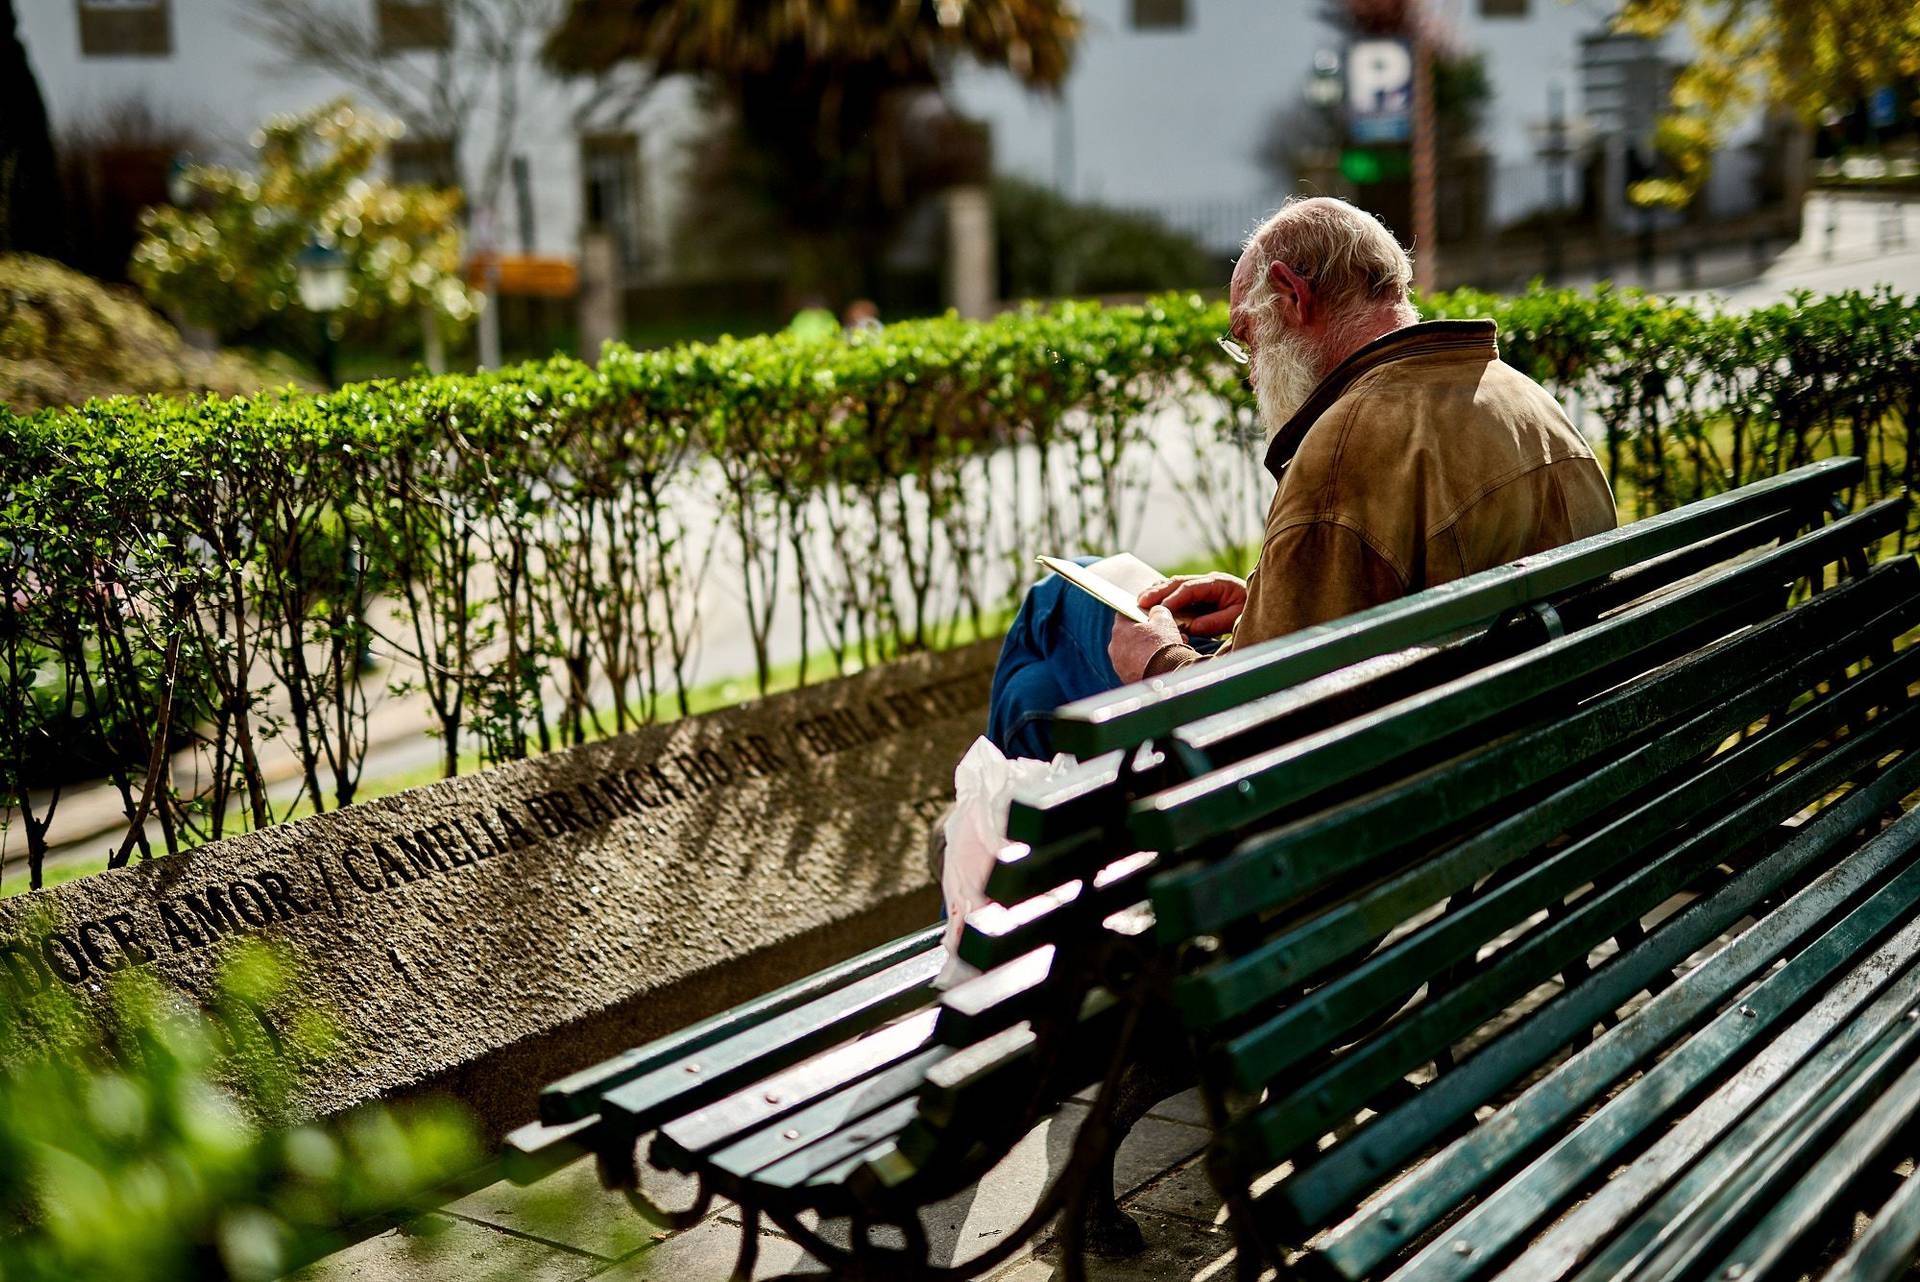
<point>1308,573</point>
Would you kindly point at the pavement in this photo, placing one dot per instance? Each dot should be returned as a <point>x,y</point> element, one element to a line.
<point>1847,242</point>
<point>568,1229</point>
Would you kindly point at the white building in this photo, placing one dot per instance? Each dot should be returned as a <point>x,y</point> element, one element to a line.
<point>1166,110</point>
<point>1170,101</point>
<point>207,69</point>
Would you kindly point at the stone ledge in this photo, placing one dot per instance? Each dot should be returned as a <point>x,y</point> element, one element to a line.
<point>486,934</point>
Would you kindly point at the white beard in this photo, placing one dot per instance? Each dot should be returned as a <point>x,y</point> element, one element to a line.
<point>1283,378</point>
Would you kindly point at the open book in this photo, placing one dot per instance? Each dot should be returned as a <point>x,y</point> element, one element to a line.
<point>1116,582</point>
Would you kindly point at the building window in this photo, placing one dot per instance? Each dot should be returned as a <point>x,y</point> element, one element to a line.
<point>413,24</point>
<point>125,28</point>
<point>1159,15</point>
<point>1503,8</point>
<point>610,172</point>
<point>423,162</point>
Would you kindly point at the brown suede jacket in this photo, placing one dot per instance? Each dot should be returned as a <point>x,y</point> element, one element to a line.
<point>1420,459</point>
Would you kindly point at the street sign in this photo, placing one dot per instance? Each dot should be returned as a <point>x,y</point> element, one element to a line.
<point>1380,91</point>
<point>1883,108</point>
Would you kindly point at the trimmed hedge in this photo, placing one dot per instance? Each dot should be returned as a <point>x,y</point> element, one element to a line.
<point>529,546</point>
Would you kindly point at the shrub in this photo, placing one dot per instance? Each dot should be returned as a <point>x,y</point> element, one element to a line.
<point>1051,246</point>
<point>144,1139</point>
<point>66,339</point>
<point>229,260</point>
<point>519,543</point>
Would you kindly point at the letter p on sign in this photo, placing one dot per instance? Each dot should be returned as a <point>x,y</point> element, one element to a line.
<point>1379,77</point>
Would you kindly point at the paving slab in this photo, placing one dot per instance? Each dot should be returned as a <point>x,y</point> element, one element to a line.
<point>1177,1251</point>
<point>434,1248</point>
<point>573,1216</point>
<point>571,1209</point>
<point>706,1253</point>
<point>1185,1193</point>
<point>1184,1107</point>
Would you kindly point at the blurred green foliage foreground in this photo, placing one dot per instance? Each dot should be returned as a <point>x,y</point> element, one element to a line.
<point>527,551</point>
<point>142,1139</point>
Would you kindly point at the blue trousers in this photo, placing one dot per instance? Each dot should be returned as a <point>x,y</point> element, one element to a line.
<point>1055,652</point>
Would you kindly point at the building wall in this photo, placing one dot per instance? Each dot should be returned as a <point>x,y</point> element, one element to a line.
<point>1163,119</point>
<point>1173,120</point>
<point>222,78</point>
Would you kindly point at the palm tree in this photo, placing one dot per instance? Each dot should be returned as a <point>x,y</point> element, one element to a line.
<point>30,217</point>
<point>815,88</point>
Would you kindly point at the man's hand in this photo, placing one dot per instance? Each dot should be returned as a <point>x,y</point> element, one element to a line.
<point>1132,644</point>
<point>1192,593</point>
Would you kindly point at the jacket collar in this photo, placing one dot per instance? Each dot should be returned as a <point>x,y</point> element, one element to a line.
<point>1412,340</point>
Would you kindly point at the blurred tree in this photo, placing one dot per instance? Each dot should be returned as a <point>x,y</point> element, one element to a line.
<point>818,89</point>
<point>1050,247</point>
<point>227,260</point>
<point>450,70</point>
<point>30,217</point>
<point>1808,56</point>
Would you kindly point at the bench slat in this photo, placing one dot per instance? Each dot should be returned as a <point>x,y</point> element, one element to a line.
<point>1880,1100</point>
<point>766,1101</point>
<point>787,1153</point>
<point>1358,1247</point>
<point>1235,985</point>
<point>1137,713</point>
<point>1859,1154</point>
<point>984,1089</point>
<point>1324,1189</point>
<point>578,1094</point>
<point>536,1150</point>
<point>1090,797</point>
<point>1856,1005</point>
<point>833,1158</point>
<point>1266,1136</point>
<point>1687,1172</point>
<point>723,1067</point>
<point>1890,1244</point>
<point>1314,1022</point>
<point>1274,868</point>
<point>1058,819</point>
<point>1261,785</point>
<point>1019,990</point>
<point>1763,1114</point>
<point>996,933</point>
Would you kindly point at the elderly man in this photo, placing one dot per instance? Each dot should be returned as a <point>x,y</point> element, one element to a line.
<point>1407,454</point>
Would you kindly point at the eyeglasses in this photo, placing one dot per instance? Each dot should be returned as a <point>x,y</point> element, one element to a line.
<point>1235,352</point>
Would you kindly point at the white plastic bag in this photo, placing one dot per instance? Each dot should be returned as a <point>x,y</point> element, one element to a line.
<point>983,786</point>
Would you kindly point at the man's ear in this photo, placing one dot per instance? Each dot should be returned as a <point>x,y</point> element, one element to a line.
<point>1292,294</point>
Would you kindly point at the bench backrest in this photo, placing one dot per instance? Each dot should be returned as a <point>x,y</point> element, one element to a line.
<point>1156,734</point>
<point>1137,713</point>
<point>1500,832</point>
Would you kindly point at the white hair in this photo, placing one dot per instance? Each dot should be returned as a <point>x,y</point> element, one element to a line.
<point>1354,262</point>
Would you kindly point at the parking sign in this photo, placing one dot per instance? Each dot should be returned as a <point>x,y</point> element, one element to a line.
<point>1380,91</point>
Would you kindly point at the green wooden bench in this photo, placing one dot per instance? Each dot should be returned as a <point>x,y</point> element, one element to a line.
<point>862,1093</point>
<point>1650,904</point>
